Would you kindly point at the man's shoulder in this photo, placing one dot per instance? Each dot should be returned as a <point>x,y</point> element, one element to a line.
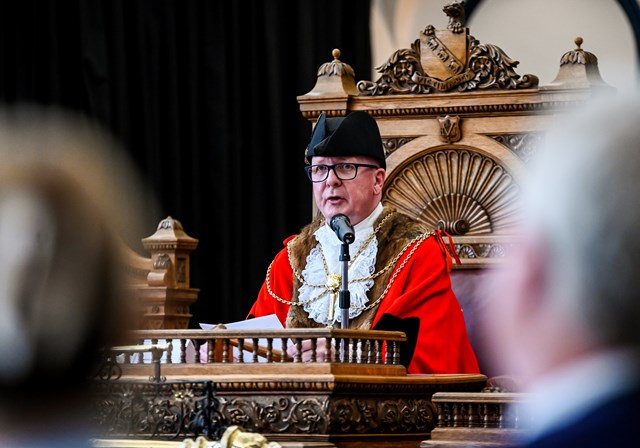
<point>614,423</point>
<point>401,234</point>
<point>306,231</point>
<point>300,244</point>
<point>400,225</point>
<point>288,239</point>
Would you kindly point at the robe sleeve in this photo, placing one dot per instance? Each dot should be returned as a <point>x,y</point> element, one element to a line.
<point>280,278</point>
<point>421,302</point>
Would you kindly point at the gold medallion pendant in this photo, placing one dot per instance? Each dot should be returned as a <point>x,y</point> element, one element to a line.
<point>333,286</point>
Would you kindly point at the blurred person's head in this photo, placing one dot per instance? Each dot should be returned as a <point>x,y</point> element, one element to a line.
<point>573,288</point>
<point>69,198</point>
<point>347,165</point>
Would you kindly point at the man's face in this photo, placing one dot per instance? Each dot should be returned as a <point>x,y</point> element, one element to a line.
<point>355,198</point>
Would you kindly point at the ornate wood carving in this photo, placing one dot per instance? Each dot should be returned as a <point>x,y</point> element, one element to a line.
<point>336,67</point>
<point>293,415</point>
<point>161,282</point>
<point>154,410</point>
<point>162,262</point>
<point>450,131</point>
<point>524,145</point>
<point>323,415</point>
<point>467,110</point>
<point>579,69</point>
<point>372,415</point>
<point>458,190</point>
<point>391,144</point>
<point>444,60</point>
<point>483,250</point>
<point>284,385</point>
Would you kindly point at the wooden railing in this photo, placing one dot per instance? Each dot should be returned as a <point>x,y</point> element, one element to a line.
<point>488,419</point>
<point>193,352</point>
<point>480,410</point>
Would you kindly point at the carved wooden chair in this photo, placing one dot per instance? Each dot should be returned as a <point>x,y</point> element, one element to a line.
<point>459,126</point>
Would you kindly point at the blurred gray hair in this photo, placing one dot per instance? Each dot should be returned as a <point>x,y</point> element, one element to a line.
<point>583,197</point>
<point>69,198</point>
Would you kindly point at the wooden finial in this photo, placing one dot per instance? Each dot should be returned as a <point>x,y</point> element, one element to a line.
<point>336,79</point>
<point>578,42</point>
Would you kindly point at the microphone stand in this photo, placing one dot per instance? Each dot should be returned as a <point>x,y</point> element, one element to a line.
<point>345,295</point>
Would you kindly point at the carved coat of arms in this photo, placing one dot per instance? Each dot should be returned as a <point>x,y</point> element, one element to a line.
<point>444,60</point>
<point>443,53</point>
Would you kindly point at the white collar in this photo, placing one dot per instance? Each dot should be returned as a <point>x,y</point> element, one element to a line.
<point>366,223</point>
<point>329,247</point>
<point>370,220</point>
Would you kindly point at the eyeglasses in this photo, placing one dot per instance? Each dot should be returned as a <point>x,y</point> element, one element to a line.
<point>343,171</point>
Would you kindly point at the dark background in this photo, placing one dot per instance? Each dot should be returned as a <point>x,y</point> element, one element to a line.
<point>202,94</point>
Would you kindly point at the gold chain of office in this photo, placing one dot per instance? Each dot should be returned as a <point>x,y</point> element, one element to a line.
<point>363,246</point>
<point>333,280</point>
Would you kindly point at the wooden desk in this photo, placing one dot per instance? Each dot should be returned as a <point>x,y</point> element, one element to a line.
<point>364,400</point>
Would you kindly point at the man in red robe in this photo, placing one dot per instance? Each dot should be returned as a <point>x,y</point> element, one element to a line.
<point>398,272</point>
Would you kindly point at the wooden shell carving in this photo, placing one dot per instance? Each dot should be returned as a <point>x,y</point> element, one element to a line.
<point>458,190</point>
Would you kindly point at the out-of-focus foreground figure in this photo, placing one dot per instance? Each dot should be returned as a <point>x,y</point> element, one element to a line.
<point>565,318</point>
<point>68,200</point>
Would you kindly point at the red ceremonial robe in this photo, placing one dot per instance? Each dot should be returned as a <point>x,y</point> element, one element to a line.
<point>420,302</point>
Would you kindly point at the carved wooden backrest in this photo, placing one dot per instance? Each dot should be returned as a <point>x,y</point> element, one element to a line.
<point>459,125</point>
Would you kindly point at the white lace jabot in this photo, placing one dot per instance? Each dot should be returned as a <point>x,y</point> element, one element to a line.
<point>362,266</point>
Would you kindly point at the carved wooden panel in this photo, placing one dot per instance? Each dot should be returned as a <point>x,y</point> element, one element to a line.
<point>391,144</point>
<point>459,190</point>
<point>524,145</point>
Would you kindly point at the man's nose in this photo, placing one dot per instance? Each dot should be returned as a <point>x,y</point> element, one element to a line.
<point>332,177</point>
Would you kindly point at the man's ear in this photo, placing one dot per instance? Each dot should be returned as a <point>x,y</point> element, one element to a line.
<point>381,174</point>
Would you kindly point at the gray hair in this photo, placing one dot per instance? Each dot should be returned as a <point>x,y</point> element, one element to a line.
<point>583,197</point>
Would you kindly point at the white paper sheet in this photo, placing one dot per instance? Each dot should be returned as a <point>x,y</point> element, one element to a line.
<point>269,322</point>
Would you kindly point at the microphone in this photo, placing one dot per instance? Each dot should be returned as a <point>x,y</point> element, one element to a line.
<point>342,226</point>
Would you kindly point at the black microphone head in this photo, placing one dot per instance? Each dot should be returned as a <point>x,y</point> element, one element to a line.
<point>341,225</point>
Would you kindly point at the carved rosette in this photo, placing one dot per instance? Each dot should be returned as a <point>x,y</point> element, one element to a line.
<point>460,191</point>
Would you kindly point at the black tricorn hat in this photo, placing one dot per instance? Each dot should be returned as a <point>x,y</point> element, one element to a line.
<point>357,134</point>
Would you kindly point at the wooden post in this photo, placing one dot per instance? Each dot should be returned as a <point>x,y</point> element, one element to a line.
<point>167,296</point>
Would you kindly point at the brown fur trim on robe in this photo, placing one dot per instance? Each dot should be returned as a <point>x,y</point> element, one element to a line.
<point>396,233</point>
